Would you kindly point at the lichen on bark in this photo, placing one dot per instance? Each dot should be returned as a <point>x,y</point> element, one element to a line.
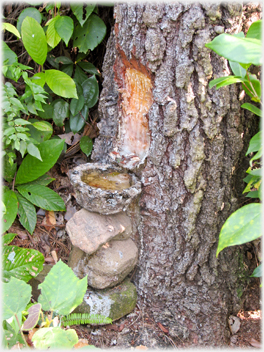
<point>189,180</point>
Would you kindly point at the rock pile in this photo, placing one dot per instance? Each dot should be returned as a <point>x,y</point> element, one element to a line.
<point>102,248</point>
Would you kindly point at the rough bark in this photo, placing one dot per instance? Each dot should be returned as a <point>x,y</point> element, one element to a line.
<point>190,170</point>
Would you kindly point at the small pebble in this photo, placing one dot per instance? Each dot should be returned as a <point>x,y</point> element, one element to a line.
<point>219,29</point>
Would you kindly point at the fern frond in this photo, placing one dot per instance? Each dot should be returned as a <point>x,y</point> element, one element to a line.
<point>85,318</point>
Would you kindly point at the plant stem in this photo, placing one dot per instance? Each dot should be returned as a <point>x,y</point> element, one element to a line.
<point>253,89</point>
<point>21,332</point>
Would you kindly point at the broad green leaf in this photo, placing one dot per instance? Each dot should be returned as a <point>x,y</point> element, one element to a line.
<point>63,60</point>
<point>251,181</point>
<point>61,111</point>
<point>43,126</point>
<point>8,54</point>
<point>242,50</point>
<point>88,67</point>
<point>39,78</point>
<point>27,214</point>
<point>61,84</point>
<point>237,69</point>
<point>42,197</point>
<point>256,85</point>
<point>244,225</point>
<point>257,156</point>
<point>76,105</point>
<point>257,271</point>
<point>255,30</point>
<point>86,145</point>
<point>252,108</point>
<point>61,290</point>
<point>16,296</point>
<point>255,143</point>
<point>8,169</point>
<point>42,180</point>
<point>49,338</point>
<point>78,121</point>
<point>34,151</point>
<point>31,168</point>
<point>256,172</point>
<point>64,27</point>
<point>11,336</point>
<point>80,14</point>
<point>90,35</point>
<point>224,81</point>
<point>21,263</point>
<point>34,40</point>
<point>79,75</point>
<point>253,194</point>
<point>90,91</point>
<point>68,69</point>
<point>52,36</point>
<point>40,136</point>
<point>10,28</point>
<point>31,12</point>
<point>33,317</point>
<point>11,204</point>
<point>6,239</point>
<point>47,113</point>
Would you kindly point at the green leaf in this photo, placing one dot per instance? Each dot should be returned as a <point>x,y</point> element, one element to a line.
<point>237,69</point>
<point>10,28</point>
<point>34,40</point>
<point>52,36</point>
<point>31,168</point>
<point>48,338</point>
<point>31,12</point>
<point>68,69</point>
<point>90,91</point>
<point>61,290</point>
<point>255,143</point>
<point>21,263</point>
<point>42,180</point>
<point>90,35</point>
<point>253,194</point>
<point>8,54</point>
<point>47,113</point>
<point>78,121</point>
<point>255,30</point>
<point>224,81</point>
<point>6,239</point>
<point>61,111</point>
<point>61,84</point>
<point>40,136</point>
<point>33,317</point>
<point>11,204</point>
<point>34,151</point>
<point>88,67</point>
<point>43,126</point>
<point>86,145</point>
<point>16,296</point>
<point>78,12</point>
<point>76,105</point>
<point>42,197</point>
<point>8,169</point>
<point>257,156</point>
<point>252,108</point>
<point>244,225</point>
<point>64,27</point>
<point>256,84</point>
<point>257,271</point>
<point>63,60</point>
<point>39,78</point>
<point>12,337</point>
<point>79,75</point>
<point>27,214</point>
<point>242,50</point>
<point>256,172</point>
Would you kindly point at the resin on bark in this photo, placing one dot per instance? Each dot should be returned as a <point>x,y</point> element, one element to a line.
<point>135,88</point>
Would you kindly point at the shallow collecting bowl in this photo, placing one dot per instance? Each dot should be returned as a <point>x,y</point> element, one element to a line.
<point>99,200</point>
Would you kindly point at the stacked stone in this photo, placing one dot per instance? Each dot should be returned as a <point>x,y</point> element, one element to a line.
<point>102,248</point>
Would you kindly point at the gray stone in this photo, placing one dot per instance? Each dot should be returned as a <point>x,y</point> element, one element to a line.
<point>89,231</point>
<point>96,199</point>
<point>108,266</point>
<point>112,303</point>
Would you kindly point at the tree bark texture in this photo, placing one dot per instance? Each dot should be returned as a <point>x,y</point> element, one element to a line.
<point>190,161</point>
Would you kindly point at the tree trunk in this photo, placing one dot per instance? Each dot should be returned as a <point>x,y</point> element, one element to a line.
<point>186,142</point>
